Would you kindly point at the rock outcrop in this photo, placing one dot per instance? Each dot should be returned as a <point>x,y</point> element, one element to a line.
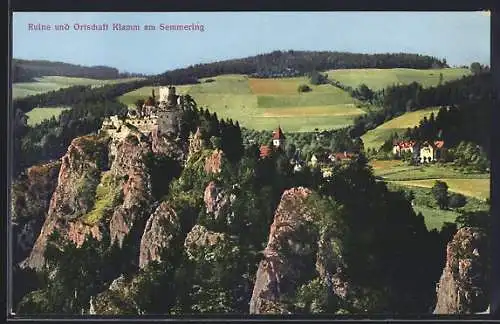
<point>31,195</point>
<point>168,145</point>
<point>195,142</point>
<point>90,199</point>
<point>81,165</point>
<point>135,206</point>
<point>286,249</point>
<point>217,200</point>
<point>116,300</point>
<point>78,231</point>
<point>161,228</point>
<point>200,236</point>
<point>213,164</point>
<point>463,287</point>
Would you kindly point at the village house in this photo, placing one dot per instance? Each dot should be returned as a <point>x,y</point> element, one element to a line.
<point>325,161</point>
<point>319,159</point>
<point>431,151</point>
<point>421,152</point>
<point>296,161</point>
<point>402,147</point>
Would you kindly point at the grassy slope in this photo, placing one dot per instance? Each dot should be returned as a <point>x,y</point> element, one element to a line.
<point>49,83</point>
<point>396,172</point>
<point>376,137</point>
<point>264,103</point>
<point>478,188</point>
<point>378,79</point>
<point>435,217</point>
<point>37,115</point>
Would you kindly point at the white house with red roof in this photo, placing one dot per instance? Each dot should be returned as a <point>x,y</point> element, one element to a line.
<point>422,152</point>
<point>431,151</point>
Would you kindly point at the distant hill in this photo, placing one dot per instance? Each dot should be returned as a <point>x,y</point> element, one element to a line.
<point>292,63</point>
<point>28,70</point>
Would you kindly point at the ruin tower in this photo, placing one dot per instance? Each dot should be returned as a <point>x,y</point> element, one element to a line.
<point>164,94</point>
<point>170,115</point>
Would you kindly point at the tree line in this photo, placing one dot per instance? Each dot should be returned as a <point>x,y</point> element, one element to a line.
<point>27,70</point>
<point>75,95</point>
<point>294,62</point>
<point>405,98</point>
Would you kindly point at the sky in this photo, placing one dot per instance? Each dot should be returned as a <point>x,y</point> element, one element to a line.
<point>460,37</point>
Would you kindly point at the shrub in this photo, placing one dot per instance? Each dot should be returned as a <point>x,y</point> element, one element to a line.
<point>457,200</point>
<point>304,88</point>
<point>440,193</point>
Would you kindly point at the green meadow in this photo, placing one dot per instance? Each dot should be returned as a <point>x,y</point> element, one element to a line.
<point>262,104</point>
<point>37,115</point>
<point>51,83</point>
<point>434,217</point>
<point>378,79</point>
<point>424,176</point>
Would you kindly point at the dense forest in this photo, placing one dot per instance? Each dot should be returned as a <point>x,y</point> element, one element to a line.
<point>27,70</point>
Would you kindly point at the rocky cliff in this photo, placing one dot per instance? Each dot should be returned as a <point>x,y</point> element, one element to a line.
<point>101,186</point>
<point>31,195</point>
<point>284,253</point>
<point>463,287</point>
<point>81,165</point>
<point>161,228</point>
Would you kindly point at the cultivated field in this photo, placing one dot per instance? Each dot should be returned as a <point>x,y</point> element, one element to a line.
<point>375,138</point>
<point>397,172</point>
<point>37,115</point>
<point>377,79</point>
<point>262,104</point>
<point>50,83</point>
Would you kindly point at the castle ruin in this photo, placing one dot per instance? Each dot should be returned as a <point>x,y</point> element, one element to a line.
<point>163,115</point>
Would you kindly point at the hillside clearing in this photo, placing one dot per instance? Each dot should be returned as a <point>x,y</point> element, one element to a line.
<point>397,170</point>
<point>434,217</point>
<point>479,188</point>
<point>37,115</point>
<point>52,83</point>
<point>375,138</point>
<point>378,79</point>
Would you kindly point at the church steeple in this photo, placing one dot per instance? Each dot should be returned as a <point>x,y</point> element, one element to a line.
<point>278,137</point>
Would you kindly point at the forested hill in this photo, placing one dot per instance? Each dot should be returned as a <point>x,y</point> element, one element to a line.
<point>289,62</point>
<point>27,70</point>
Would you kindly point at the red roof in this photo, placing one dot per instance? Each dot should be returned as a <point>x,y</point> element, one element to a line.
<point>264,151</point>
<point>406,144</point>
<point>278,134</point>
<point>345,155</point>
<point>439,144</point>
<point>149,102</point>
